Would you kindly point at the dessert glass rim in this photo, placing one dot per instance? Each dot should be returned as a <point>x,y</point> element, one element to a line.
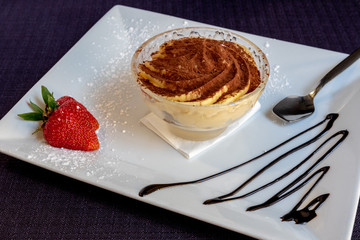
<point>158,97</point>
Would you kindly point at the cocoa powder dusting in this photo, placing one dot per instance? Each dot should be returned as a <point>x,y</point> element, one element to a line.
<point>200,68</point>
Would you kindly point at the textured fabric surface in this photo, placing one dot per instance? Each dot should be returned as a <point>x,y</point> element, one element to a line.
<point>34,35</point>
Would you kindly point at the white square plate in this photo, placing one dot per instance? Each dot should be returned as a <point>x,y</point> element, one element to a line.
<point>96,71</point>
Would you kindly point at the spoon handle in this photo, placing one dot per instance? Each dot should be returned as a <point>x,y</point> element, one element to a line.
<point>337,70</point>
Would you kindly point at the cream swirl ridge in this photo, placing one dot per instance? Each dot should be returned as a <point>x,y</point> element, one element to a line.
<point>200,71</point>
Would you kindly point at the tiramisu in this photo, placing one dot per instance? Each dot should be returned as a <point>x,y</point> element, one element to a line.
<point>200,71</point>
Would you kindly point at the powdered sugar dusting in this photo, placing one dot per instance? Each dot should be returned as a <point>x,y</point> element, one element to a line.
<point>115,93</point>
<point>278,81</point>
<point>267,44</point>
<point>108,90</point>
<point>62,159</point>
<point>81,164</point>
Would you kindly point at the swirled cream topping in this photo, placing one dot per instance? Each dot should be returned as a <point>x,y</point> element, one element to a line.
<point>200,71</point>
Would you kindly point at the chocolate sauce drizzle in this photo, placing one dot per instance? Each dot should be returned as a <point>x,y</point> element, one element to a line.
<point>306,214</point>
<point>276,198</point>
<point>299,216</point>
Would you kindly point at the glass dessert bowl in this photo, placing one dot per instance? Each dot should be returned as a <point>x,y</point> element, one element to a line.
<point>180,85</point>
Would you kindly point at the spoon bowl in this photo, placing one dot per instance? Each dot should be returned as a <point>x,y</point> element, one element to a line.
<point>295,108</point>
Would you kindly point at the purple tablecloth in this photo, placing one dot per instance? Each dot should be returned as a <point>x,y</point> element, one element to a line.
<point>34,35</point>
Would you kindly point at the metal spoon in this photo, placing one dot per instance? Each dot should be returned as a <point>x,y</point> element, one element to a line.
<point>294,108</point>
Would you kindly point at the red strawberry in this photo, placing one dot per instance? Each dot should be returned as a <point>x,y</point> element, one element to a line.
<point>64,99</point>
<point>69,127</point>
<point>66,123</point>
<point>93,121</point>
